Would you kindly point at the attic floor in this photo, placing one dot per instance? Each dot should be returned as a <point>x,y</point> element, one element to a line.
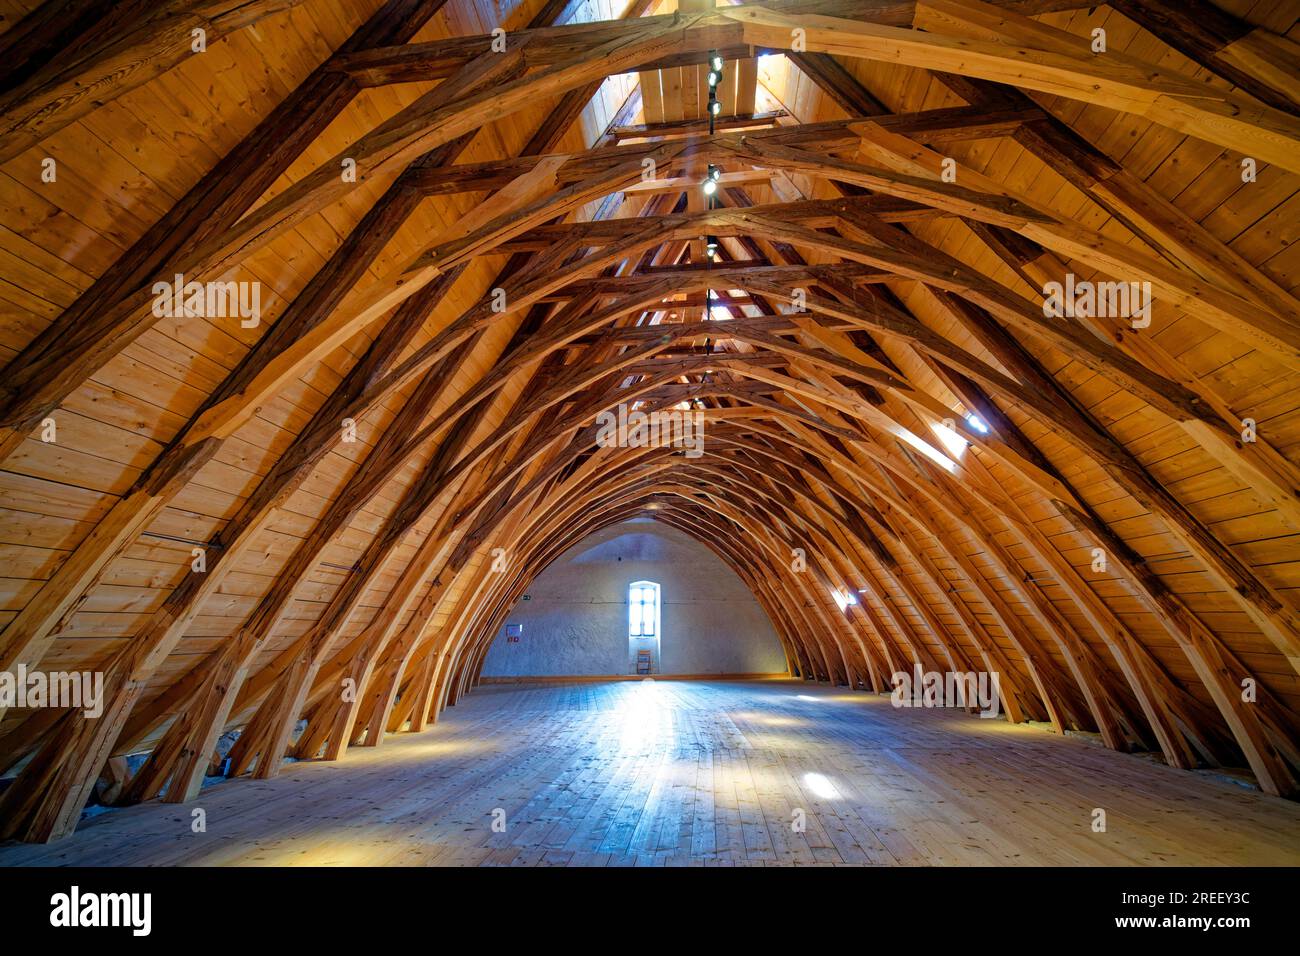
<point>630,773</point>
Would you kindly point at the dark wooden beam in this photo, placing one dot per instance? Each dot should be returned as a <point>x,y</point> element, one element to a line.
<point>1258,61</point>
<point>74,58</point>
<point>72,346</point>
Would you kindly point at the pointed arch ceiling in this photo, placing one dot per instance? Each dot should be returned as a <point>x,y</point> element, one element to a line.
<point>468,245</point>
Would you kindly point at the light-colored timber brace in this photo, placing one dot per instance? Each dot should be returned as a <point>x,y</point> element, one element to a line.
<point>864,301</point>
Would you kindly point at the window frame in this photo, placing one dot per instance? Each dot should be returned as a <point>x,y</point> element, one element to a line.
<point>636,626</point>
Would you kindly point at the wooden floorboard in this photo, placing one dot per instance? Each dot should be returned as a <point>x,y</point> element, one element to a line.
<point>690,773</point>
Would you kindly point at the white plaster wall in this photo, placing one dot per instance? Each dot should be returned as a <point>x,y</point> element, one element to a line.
<point>575,621</point>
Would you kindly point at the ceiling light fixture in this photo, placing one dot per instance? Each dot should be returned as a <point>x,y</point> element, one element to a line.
<point>711,180</point>
<point>714,81</point>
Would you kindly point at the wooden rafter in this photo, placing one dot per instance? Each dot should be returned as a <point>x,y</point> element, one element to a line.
<point>870,302</point>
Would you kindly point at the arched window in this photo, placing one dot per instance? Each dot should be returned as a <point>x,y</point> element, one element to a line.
<point>643,609</point>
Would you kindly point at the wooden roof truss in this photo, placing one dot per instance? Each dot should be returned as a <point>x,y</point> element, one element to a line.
<point>814,369</point>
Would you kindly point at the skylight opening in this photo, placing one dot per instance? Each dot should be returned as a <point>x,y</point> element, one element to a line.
<point>953,443</point>
<point>928,450</point>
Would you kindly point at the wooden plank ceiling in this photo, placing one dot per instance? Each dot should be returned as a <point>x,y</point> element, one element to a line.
<point>236,521</point>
